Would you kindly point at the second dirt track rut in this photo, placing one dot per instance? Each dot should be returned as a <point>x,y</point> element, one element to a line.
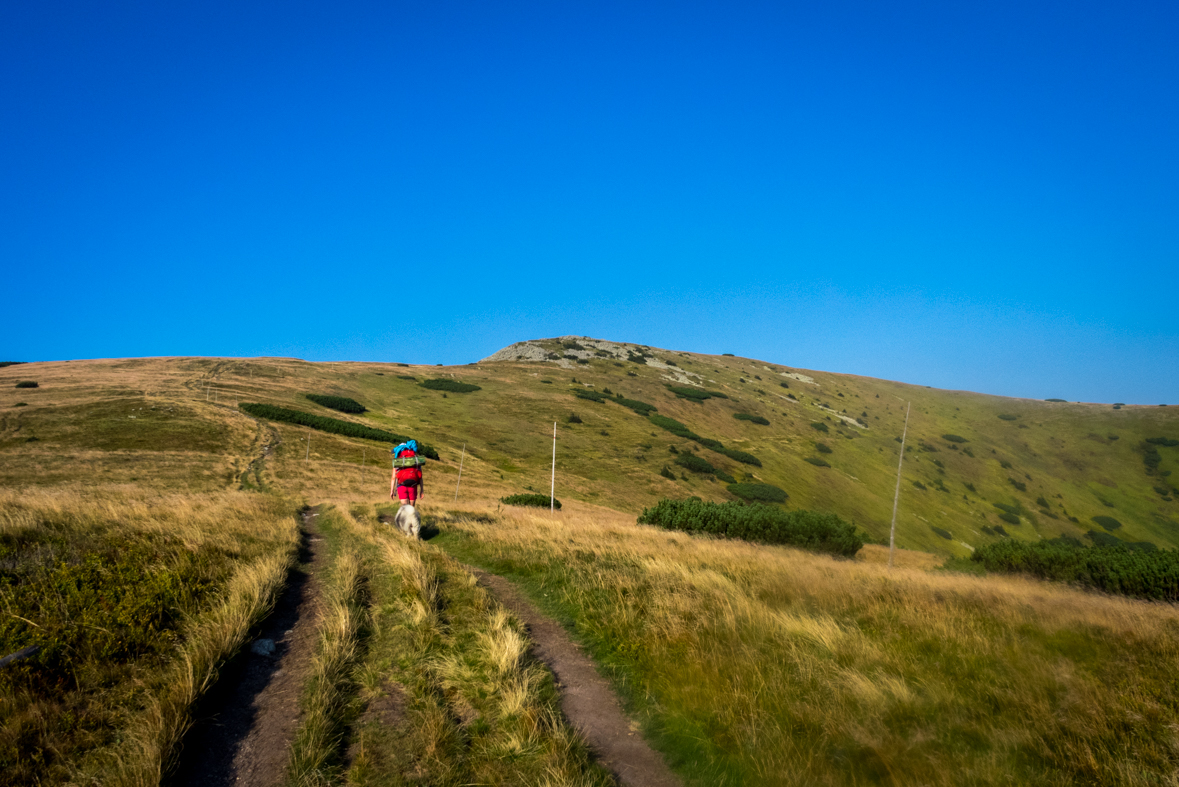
<point>586,697</point>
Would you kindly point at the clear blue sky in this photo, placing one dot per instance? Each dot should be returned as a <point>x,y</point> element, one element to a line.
<point>984,198</point>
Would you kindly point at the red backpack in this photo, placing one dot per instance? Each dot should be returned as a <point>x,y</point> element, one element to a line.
<point>408,475</point>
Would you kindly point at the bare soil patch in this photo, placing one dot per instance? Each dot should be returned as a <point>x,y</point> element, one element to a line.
<point>586,697</point>
<point>246,723</point>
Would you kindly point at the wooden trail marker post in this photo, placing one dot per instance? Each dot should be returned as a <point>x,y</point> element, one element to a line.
<point>892,533</point>
<point>306,458</point>
<point>553,482</point>
<point>460,478</point>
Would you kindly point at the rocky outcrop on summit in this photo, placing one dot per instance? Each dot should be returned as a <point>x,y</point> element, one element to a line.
<point>566,351</point>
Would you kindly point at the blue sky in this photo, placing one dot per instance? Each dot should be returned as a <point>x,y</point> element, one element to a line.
<point>981,198</point>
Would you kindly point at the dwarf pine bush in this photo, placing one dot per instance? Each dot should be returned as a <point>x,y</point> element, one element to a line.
<point>1120,568</point>
<point>332,425</point>
<point>27,384</point>
<point>340,403</point>
<point>697,395</point>
<point>534,500</point>
<point>1108,522</point>
<point>758,523</point>
<point>755,419</point>
<point>694,463</point>
<point>449,385</point>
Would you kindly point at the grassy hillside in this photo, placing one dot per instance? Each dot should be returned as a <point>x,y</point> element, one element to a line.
<point>837,669</point>
<point>1057,465</point>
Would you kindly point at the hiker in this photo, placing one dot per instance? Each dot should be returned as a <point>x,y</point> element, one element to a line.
<point>407,484</point>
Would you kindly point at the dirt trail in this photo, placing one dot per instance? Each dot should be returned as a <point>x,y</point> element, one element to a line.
<point>586,697</point>
<point>245,725</point>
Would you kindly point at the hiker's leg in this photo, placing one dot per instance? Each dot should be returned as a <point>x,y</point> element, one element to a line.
<point>403,494</point>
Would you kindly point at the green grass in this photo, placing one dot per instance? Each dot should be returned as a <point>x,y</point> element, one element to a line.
<point>765,493</point>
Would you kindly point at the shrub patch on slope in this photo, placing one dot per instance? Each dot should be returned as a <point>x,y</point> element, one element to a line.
<point>758,523</point>
<point>332,425</point>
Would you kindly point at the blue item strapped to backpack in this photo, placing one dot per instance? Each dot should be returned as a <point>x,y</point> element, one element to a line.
<point>411,445</point>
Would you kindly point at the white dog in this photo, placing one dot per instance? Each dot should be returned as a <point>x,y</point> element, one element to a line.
<point>409,521</point>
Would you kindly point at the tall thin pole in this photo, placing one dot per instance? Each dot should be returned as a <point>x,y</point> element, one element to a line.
<point>892,533</point>
<point>308,445</point>
<point>460,478</point>
<point>553,483</point>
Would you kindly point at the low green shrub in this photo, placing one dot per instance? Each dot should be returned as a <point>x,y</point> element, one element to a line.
<point>694,463</point>
<point>679,430</point>
<point>10,363</point>
<point>919,485</point>
<point>1007,417</point>
<point>817,462</point>
<point>407,377</point>
<point>820,426</point>
<point>971,487</point>
<point>1016,509</point>
<point>811,530</point>
<point>822,448</point>
<point>589,395</point>
<point>1009,518</point>
<point>530,499</point>
<point>1108,522</point>
<point>1003,463</point>
<point>728,355</point>
<point>449,385</point>
<point>21,404</point>
<point>573,418</point>
<point>723,476</point>
<point>695,394</point>
<point>784,384</point>
<point>1020,485</point>
<point>1056,400</point>
<point>755,419</point>
<point>666,473</point>
<point>27,384</point>
<point>739,456</point>
<point>334,426</point>
<point>955,438</point>
<point>946,534</point>
<point>758,492</point>
<point>1117,568</point>
<point>1166,441</point>
<point>340,403</point>
<point>642,408</point>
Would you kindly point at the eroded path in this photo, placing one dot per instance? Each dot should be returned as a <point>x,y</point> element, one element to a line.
<point>586,697</point>
<point>246,723</point>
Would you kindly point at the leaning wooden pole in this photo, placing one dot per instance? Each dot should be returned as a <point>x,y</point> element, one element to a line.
<point>892,533</point>
<point>460,478</point>
<point>553,482</point>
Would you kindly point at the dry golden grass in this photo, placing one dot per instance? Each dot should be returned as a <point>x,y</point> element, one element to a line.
<point>153,738</point>
<point>255,531</point>
<point>835,672</point>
